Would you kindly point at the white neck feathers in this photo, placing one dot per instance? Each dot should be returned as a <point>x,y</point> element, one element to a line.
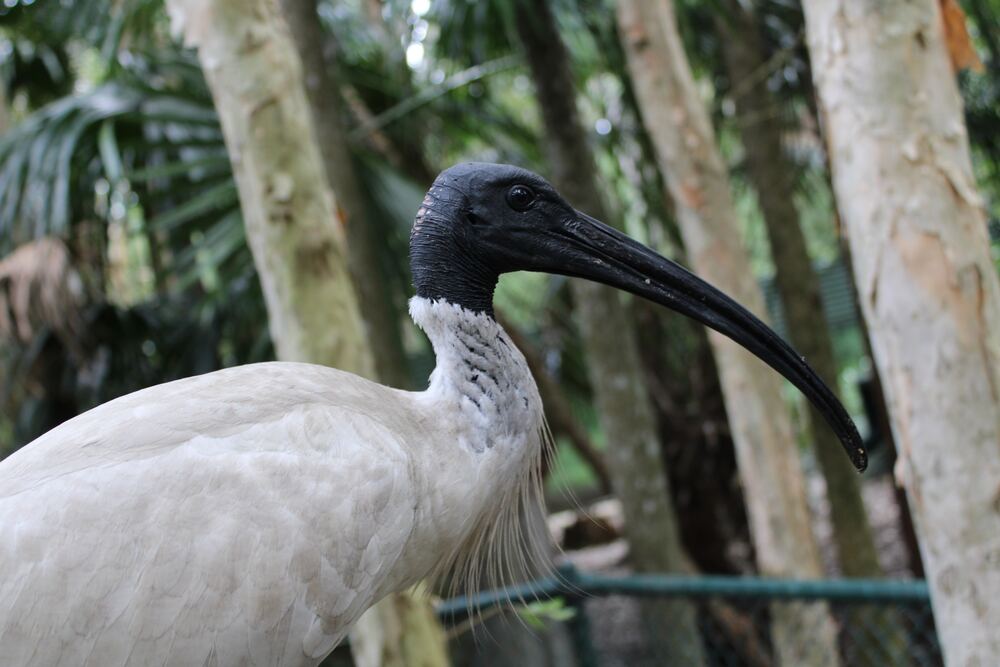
<point>481,372</point>
<point>490,409</point>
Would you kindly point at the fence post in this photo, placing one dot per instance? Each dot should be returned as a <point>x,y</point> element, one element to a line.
<point>579,624</point>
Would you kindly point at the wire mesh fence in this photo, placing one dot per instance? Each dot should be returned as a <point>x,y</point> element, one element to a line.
<point>728,621</point>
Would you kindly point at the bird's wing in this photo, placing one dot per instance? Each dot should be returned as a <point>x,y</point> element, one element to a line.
<point>243,517</point>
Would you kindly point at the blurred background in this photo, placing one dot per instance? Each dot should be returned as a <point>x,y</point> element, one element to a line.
<point>125,261</point>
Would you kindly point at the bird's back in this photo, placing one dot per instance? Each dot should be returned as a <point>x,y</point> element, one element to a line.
<point>241,517</point>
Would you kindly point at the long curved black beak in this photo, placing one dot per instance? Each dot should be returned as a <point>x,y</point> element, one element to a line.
<point>590,249</point>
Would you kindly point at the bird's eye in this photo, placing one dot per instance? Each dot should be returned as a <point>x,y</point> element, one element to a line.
<point>520,197</point>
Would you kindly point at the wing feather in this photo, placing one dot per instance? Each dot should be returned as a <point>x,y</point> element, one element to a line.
<point>242,517</point>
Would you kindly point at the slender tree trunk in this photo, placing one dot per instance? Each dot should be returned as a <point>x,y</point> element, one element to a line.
<point>798,285</point>
<point>400,631</point>
<point>766,451</point>
<point>557,409</point>
<point>299,249</point>
<point>509,642</point>
<point>611,344</point>
<point>381,309</point>
<point>401,142</point>
<point>904,185</point>
<point>4,111</point>
<point>683,381</point>
<point>696,441</point>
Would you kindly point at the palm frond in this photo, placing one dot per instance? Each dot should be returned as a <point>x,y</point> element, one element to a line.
<point>50,162</point>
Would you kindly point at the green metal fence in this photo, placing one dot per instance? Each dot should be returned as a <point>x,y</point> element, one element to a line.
<point>737,620</point>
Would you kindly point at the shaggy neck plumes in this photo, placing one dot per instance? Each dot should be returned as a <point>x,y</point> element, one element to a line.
<point>482,385</point>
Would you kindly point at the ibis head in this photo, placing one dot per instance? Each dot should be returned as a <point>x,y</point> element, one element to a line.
<point>481,220</point>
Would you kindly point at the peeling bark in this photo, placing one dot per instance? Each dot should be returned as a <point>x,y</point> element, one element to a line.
<point>609,338</point>
<point>904,185</point>
<point>696,177</point>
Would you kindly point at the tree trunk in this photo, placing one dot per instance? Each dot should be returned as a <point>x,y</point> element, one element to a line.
<point>255,77</point>
<point>4,111</point>
<point>769,464</point>
<point>401,143</point>
<point>904,185</point>
<point>299,249</point>
<point>683,382</point>
<point>510,642</point>
<point>771,175</point>
<point>381,309</point>
<point>609,337</point>
<point>557,408</point>
<point>695,440</point>
<point>400,631</point>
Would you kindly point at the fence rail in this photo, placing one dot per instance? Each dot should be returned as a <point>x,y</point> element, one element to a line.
<point>875,622</point>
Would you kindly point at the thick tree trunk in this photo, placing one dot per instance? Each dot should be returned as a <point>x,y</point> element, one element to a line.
<point>771,174</point>
<point>381,309</point>
<point>611,345</point>
<point>905,189</point>
<point>298,246</point>
<point>255,77</point>
<point>766,451</point>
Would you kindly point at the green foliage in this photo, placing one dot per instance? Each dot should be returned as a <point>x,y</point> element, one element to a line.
<point>136,149</point>
<point>474,31</point>
<point>539,613</point>
<point>51,162</point>
<point>570,473</point>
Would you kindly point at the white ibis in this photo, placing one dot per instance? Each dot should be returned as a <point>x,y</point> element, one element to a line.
<point>250,516</point>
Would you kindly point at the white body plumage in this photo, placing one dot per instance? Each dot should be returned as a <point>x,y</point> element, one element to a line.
<point>251,515</point>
